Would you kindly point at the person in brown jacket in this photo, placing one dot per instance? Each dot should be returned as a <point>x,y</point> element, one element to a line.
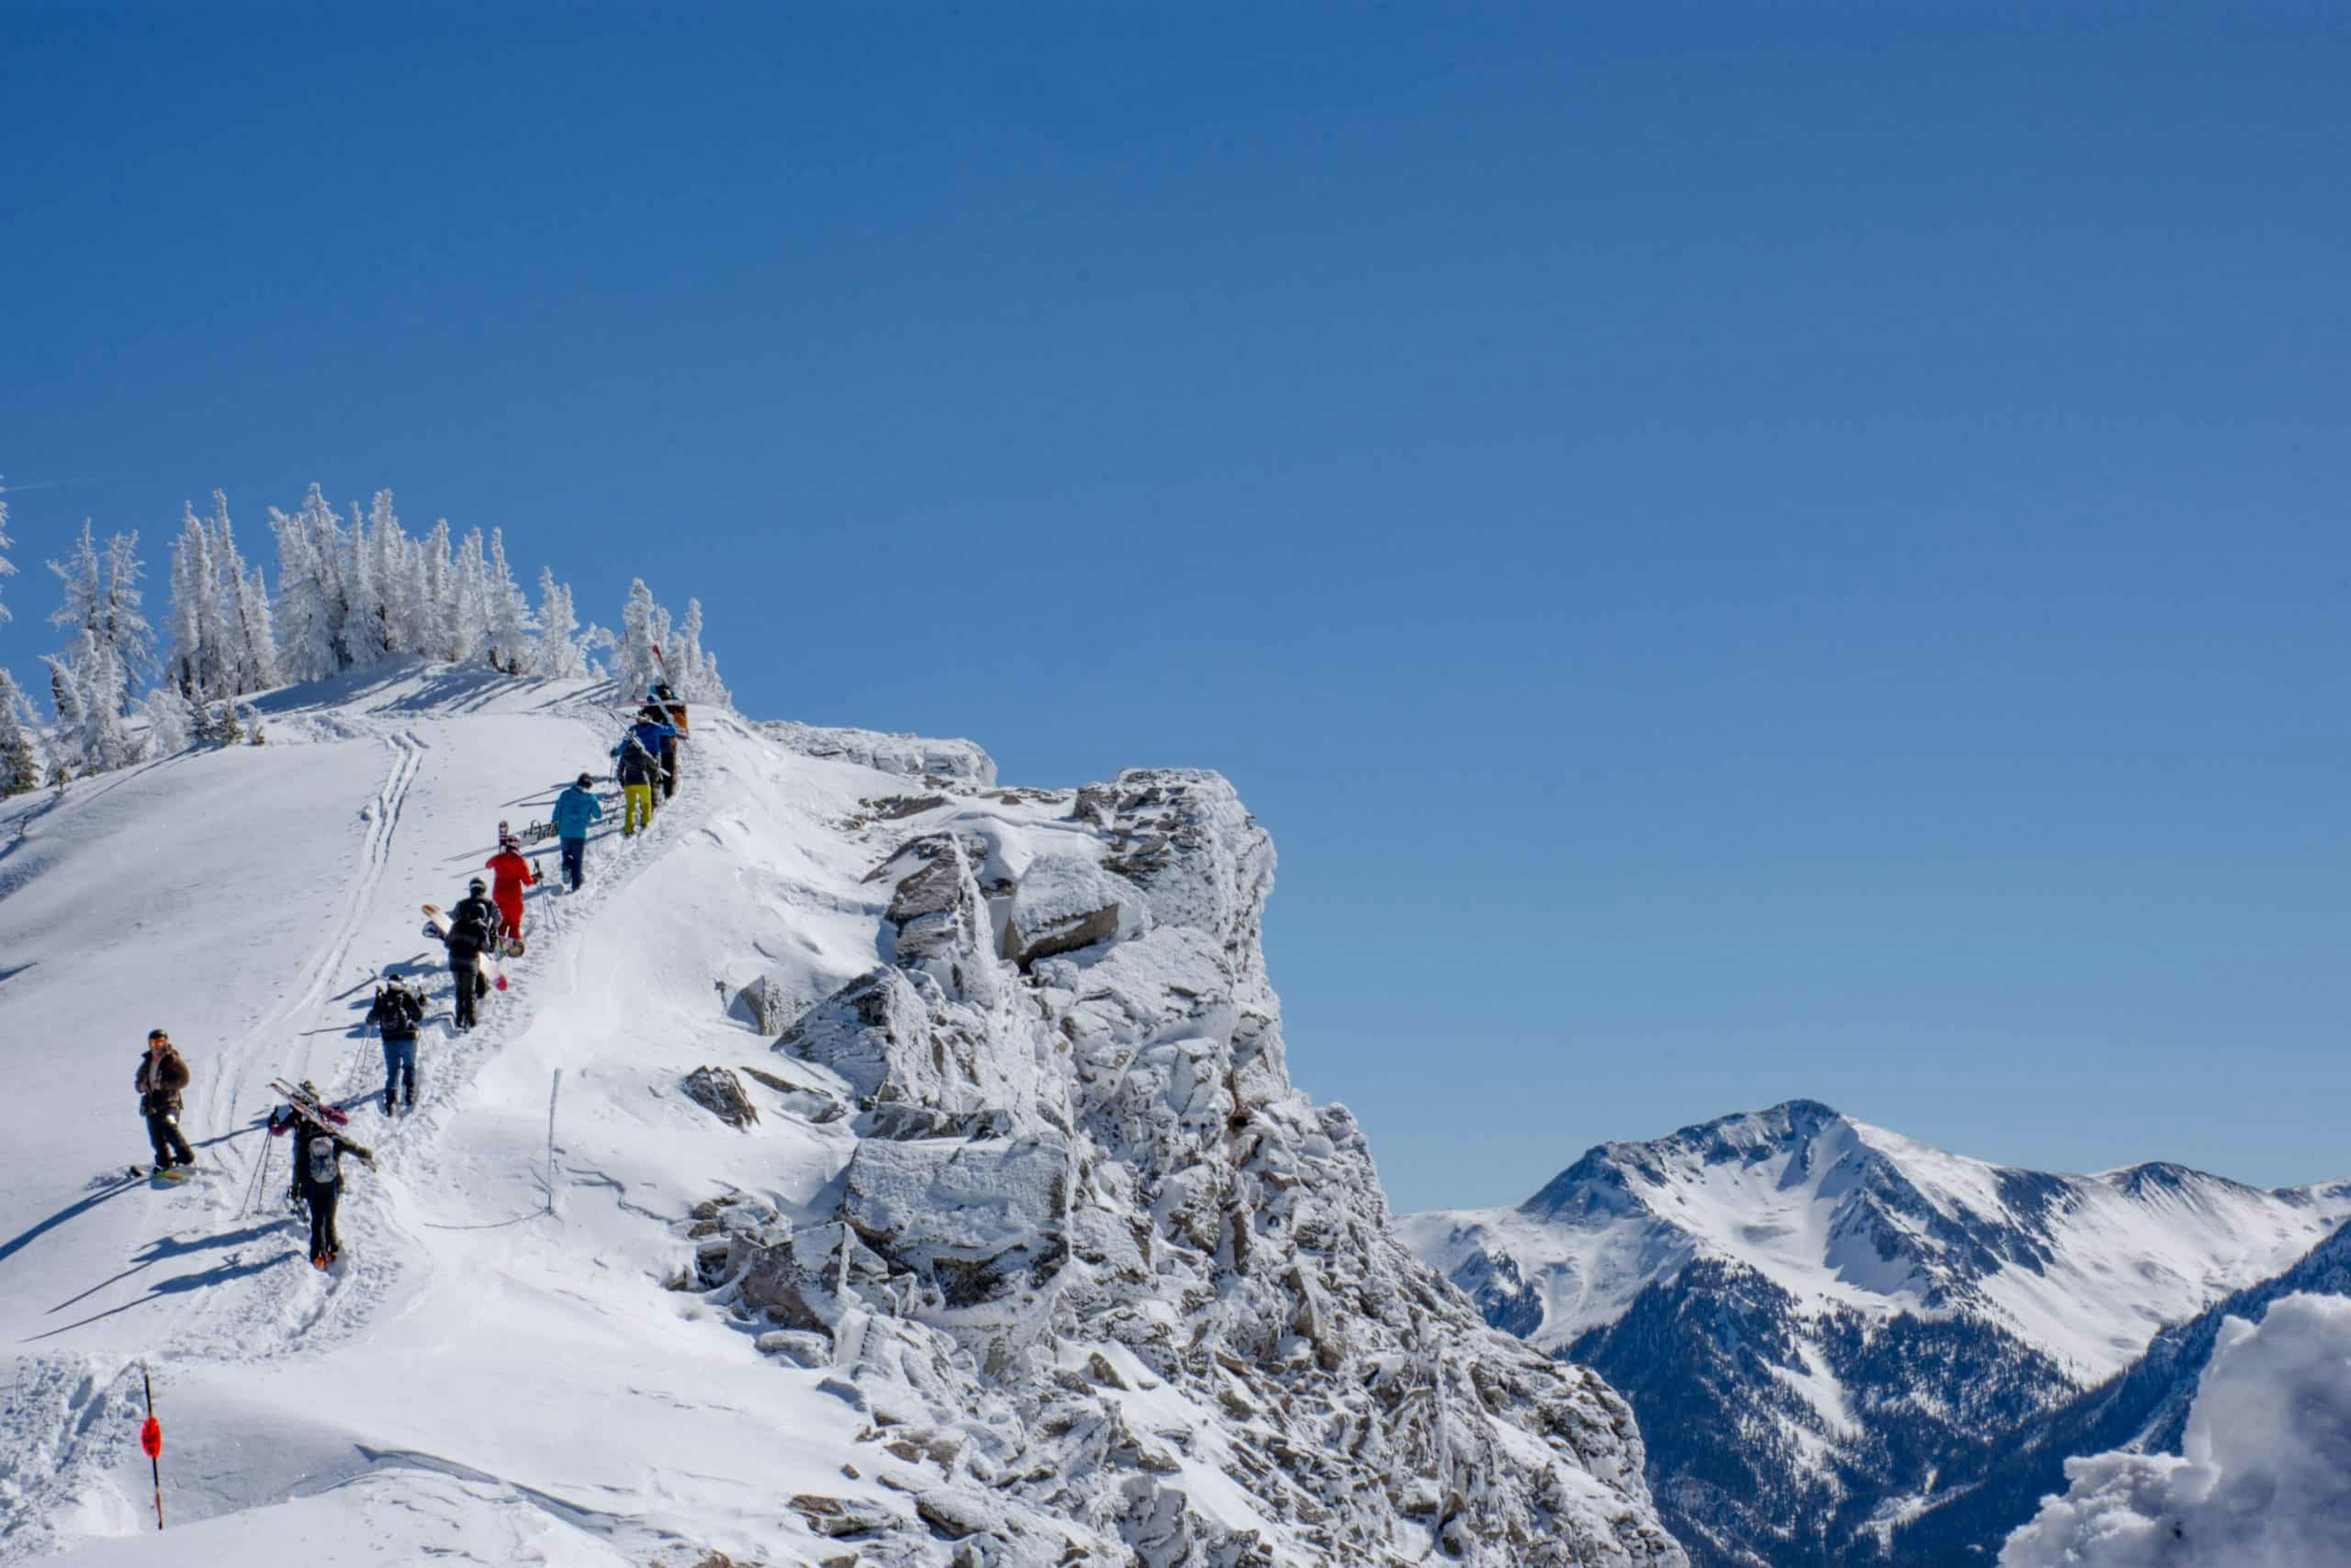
<point>162,1075</point>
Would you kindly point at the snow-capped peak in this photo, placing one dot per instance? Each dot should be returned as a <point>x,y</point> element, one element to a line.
<point>1837,1212</point>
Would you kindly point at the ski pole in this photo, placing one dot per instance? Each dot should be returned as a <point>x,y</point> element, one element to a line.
<point>151,1437</point>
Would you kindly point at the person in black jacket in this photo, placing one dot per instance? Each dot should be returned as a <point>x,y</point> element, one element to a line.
<point>640,775</point>
<point>473,930</point>
<point>397,1013</point>
<point>318,1169</point>
<point>162,1075</point>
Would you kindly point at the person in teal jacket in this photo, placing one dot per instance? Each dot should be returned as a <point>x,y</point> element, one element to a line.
<point>575,810</point>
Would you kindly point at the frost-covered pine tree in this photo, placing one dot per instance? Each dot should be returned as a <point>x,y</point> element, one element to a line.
<point>20,749</point>
<point>361,640</point>
<point>633,666</point>
<point>559,628</point>
<point>248,635</point>
<point>395,576</point>
<point>468,623</point>
<point>170,720</point>
<point>685,654</point>
<point>506,614</point>
<point>122,624</point>
<point>84,585</point>
<point>194,627</point>
<point>309,599</point>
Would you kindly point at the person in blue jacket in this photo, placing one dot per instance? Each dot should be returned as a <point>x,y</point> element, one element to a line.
<point>575,810</point>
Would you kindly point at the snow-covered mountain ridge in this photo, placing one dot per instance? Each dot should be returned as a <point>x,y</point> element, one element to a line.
<point>1836,1212</point>
<point>1831,1332</point>
<point>969,1219</point>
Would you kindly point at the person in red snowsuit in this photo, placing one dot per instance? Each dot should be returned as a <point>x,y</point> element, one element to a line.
<point>511,873</point>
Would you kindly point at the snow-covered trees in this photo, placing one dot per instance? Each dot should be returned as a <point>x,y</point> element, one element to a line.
<point>506,614</point>
<point>20,749</point>
<point>109,646</point>
<point>352,591</point>
<point>222,638</point>
<point>650,650</point>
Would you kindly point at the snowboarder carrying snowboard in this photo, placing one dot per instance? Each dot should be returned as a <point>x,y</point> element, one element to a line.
<point>513,870</point>
<point>639,773</point>
<point>162,1075</point>
<point>397,1013</point>
<point>472,929</point>
<point>575,811</point>
<point>319,1168</point>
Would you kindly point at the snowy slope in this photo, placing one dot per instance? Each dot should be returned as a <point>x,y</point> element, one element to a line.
<point>1010,1260</point>
<point>1831,1332</point>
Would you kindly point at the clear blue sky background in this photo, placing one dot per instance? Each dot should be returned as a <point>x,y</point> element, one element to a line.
<point>1742,551</point>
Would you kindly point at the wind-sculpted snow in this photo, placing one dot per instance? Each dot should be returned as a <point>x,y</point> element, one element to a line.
<point>2262,1483</point>
<point>1102,1276</point>
<point>961,761</point>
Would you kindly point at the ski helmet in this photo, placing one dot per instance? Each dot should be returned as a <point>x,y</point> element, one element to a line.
<point>478,885</point>
<point>585,781</point>
<point>162,1034</point>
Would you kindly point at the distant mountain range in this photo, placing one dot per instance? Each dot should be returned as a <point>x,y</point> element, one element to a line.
<point>1843,1344</point>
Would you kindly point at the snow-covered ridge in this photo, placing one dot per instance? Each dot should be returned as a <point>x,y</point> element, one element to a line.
<point>1014,1245</point>
<point>1837,1212</point>
<point>1837,1337</point>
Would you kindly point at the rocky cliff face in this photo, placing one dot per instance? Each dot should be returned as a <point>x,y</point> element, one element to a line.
<point>1106,1286</point>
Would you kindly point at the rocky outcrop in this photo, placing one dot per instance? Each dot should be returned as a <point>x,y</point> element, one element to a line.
<point>719,1091</point>
<point>1108,1286</point>
<point>911,756</point>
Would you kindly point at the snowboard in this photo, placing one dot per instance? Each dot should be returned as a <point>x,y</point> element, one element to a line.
<point>176,1175</point>
<point>436,925</point>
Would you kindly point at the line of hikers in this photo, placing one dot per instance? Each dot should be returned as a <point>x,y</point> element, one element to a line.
<point>487,920</point>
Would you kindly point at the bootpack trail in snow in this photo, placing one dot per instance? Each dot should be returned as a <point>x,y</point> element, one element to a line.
<point>273,1310</point>
<point>975,1220</point>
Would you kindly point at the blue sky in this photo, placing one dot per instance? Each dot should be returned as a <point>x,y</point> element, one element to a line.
<point>1741,551</point>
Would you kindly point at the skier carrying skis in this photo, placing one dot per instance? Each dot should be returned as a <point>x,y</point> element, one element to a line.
<point>663,709</point>
<point>473,928</point>
<point>575,810</point>
<point>514,872</point>
<point>397,1013</point>
<point>303,1114</point>
<point>637,773</point>
<point>318,1169</point>
<point>162,1075</point>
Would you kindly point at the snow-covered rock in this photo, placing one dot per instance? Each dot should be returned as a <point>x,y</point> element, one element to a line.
<point>1830,1331</point>
<point>915,1257</point>
<point>1179,1269</point>
<point>2265,1480</point>
<point>960,761</point>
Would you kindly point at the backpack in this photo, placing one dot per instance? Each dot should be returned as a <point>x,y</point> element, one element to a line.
<point>324,1165</point>
<point>472,927</point>
<point>404,1010</point>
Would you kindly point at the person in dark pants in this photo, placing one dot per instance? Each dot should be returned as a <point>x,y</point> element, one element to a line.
<point>162,1075</point>
<point>473,930</point>
<point>317,1164</point>
<point>293,1118</point>
<point>576,811</point>
<point>397,1013</point>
